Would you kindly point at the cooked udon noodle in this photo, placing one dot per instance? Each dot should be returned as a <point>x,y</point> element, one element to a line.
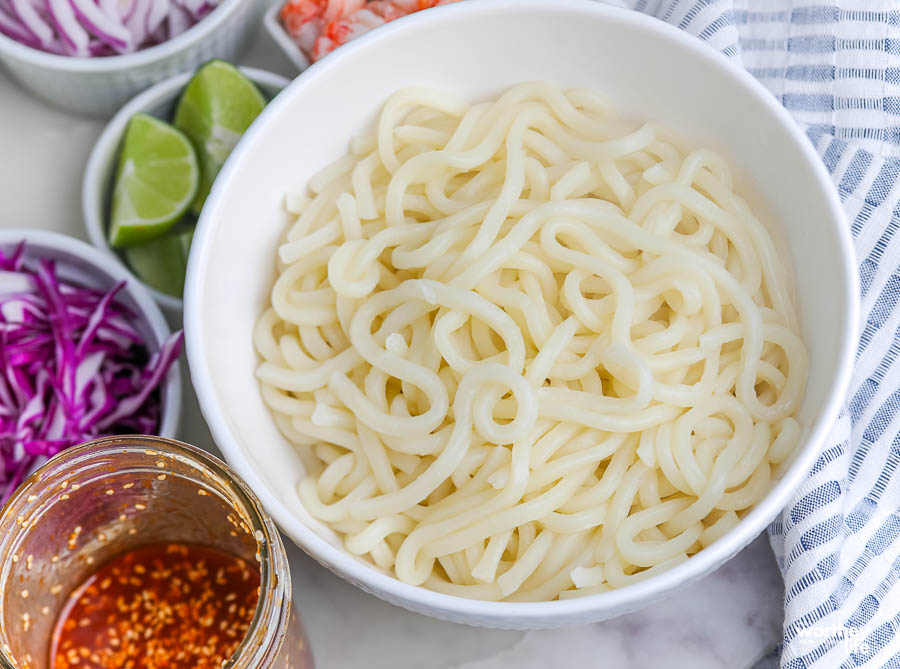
<point>535,350</point>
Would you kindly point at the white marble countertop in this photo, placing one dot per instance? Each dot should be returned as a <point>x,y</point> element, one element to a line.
<point>729,620</point>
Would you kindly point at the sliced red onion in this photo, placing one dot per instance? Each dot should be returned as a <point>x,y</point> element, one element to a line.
<point>108,30</point>
<point>179,20</point>
<point>7,8</point>
<point>160,35</point>
<point>128,9</point>
<point>205,9</point>
<point>198,8</point>
<point>70,31</point>
<point>40,6</point>
<point>110,8</point>
<point>12,27</point>
<point>28,14</point>
<point>136,22</point>
<point>193,6</point>
<point>98,27</point>
<point>56,47</point>
<point>159,10</point>
<point>98,49</point>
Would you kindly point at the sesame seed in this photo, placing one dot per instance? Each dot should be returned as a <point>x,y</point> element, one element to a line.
<point>171,605</point>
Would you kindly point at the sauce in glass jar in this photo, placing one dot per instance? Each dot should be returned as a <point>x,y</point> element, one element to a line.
<point>94,527</point>
<point>179,606</point>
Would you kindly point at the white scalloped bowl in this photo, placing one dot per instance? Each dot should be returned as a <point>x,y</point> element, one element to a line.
<point>478,49</point>
<point>99,86</point>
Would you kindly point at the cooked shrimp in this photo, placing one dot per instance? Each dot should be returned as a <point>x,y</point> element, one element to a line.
<point>306,19</point>
<point>318,27</point>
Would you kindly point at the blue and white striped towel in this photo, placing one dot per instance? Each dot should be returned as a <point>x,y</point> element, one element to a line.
<point>836,68</point>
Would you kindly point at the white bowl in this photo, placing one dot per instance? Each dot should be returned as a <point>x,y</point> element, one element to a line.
<point>82,264</point>
<point>158,101</point>
<point>649,70</point>
<point>101,85</point>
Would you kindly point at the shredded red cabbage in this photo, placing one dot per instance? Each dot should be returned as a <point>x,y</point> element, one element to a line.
<point>72,368</point>
<point>88,28</point>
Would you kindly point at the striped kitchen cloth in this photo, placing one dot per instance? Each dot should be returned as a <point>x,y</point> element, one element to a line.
<point>836,68</point>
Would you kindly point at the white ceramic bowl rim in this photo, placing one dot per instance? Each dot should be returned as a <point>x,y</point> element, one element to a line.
<point>621,599</point>
<point>106,148</point>
<point>125,61</point>
<point>147,308</point>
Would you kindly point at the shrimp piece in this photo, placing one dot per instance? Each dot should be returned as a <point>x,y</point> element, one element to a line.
<point>339,9</point>
<point>410,6</point>
<point>394,9</point>
<point>305,20</point>
<point>338,33</point>
<point>371,15</point>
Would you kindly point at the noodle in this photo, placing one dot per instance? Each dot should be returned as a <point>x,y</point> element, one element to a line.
<point>535,351</point>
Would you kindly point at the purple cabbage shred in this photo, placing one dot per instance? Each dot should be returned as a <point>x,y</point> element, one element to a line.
<point>72,368</point>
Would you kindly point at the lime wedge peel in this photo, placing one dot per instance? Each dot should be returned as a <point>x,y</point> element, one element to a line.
<point>156,181</point>
<point>162,263</point>
<point>217,106</point>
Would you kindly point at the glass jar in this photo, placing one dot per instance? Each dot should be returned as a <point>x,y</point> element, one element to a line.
<point>104,498</point>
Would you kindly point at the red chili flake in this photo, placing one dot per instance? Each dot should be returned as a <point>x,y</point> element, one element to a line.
<point>159,606</point>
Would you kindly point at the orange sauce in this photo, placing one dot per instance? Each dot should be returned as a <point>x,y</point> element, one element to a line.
<point>177,606</point>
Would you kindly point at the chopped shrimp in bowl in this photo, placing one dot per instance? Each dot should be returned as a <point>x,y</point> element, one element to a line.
<point>318,27</point>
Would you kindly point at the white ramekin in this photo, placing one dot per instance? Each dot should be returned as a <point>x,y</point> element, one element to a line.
<point>99,86</point>
<point>158,101</point>
<point>83,264</point>
<point>649,70</point>
<point>282,39</point>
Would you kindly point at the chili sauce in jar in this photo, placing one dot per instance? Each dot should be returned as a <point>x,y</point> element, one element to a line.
<point>140,552</point>
<point>177,606</point>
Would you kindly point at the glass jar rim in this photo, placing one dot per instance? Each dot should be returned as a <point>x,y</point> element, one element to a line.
<point>270,550</point>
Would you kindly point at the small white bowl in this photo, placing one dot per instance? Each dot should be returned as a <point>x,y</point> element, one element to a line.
<point>82,264</point>
<point>158,101</point>
<point>282,40</point>
<point>478,49</point>
<point>99,86</point>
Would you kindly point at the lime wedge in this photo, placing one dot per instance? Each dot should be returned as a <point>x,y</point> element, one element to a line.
<point>156,181</point>
<point>162,263</point>
<point>217,106</point>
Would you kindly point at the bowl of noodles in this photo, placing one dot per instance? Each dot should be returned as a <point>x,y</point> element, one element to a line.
<point>527,334</point>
